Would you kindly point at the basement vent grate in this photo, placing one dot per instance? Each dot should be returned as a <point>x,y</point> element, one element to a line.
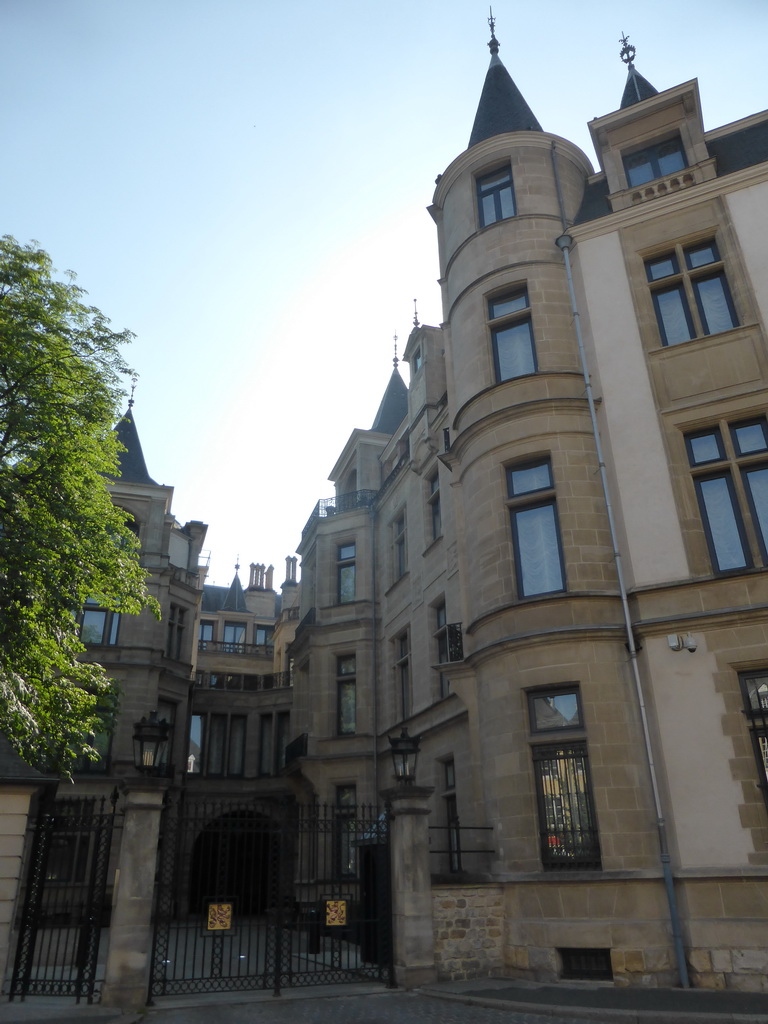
<point>586,964</point>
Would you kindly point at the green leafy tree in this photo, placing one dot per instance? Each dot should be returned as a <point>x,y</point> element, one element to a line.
<point>62,541</point>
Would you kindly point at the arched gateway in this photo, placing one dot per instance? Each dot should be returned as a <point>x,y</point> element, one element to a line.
<point>270,895</point>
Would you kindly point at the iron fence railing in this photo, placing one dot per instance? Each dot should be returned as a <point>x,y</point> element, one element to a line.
<point>455,842</point>
<point>229,647</point>
<point>244,681</point>
<point>341,503</point>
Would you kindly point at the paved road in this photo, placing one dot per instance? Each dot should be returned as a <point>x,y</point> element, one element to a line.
<point>379,1008</point>
<point>383,1008</point>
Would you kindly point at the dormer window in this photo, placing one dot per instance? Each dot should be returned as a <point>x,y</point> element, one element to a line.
<point>655,161</point>
<point>495,198</point>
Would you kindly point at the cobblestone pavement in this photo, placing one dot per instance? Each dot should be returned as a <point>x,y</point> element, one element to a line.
<point>383,1008</point>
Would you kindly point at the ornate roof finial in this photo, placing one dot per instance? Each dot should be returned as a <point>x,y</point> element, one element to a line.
<point>237,563</point>
<point>493,46</point>
<point>134,380</point>
<point>395,361</point>
<point>628,51</point>
<point>415,315</point>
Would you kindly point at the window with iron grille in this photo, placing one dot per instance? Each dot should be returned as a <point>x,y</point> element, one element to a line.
<point>568,838</point>
<point>345,850</point>
<point>754,687</point>
<point>586,964</point>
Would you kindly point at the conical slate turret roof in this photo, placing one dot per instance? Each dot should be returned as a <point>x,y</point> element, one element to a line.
<point>133,468</point>
<point>235,601</point>
<point>636,89</point>
<point>394,405</point>
<point>502,107</point>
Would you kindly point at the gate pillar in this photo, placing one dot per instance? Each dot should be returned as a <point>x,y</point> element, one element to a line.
<point>413,937</point>
<point>130,931</point>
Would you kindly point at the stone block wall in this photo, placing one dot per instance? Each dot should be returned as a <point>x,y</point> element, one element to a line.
<point>468,926</point>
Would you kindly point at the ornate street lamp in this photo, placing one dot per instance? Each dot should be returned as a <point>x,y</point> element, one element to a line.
<point>405,753</point>
<point>150,744</point>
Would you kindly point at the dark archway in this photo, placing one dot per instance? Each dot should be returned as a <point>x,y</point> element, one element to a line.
<point>231,863</point>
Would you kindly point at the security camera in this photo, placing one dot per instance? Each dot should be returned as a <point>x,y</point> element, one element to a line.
<point>689,643</point>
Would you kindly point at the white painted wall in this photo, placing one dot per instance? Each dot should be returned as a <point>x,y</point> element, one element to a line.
<point>643,501</point>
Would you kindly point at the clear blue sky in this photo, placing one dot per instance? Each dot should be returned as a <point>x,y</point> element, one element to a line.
<point>244,185</point>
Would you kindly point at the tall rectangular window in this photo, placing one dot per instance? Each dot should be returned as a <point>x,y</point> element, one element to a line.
<point>403,673</point>
<point>262,635</point>
<point>535,530</point>
<point>754,686</point>
<point>346,695</point>
<point>730,476</point>
<point>196,742</point>
<point>282,728</point>
<point>495,197</point>
<point>205,635</point>
<point>514,354</point>
<point>690,293</point>
<point>433,507</point>
<point>399,550</point>
<point>266,758</point>
<point>453,829</point>
<point>174,646</point>
<point>345,573</point>
<point>345,849</point>
<point>234,637</point>
<point>568,838</point>
<point>441,642</point>
<point>236,747</point>
<point>98,625</point>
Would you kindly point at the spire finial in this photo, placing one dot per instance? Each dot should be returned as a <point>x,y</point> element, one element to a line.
<point>134,380</point>
<point>237,563</point>
<point>415,315</point>
<point>395,361</point>
<point>493,46</point>
<point>628,51</point>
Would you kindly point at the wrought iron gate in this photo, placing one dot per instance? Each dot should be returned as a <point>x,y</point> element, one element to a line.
<point>64,906</point>
<point>259,895</point>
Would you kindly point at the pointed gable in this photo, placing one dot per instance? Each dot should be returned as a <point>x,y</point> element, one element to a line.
<point>502,107</point>
<point>131,464</point>
<point>394,406</point>
<point>235,600</point>
<point>636,89</point>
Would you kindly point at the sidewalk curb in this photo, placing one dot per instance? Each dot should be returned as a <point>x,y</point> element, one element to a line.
<point>598,1013</point>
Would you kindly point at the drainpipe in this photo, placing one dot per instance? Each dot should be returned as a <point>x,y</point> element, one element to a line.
<point>565,243</point>
<point>374,659</point>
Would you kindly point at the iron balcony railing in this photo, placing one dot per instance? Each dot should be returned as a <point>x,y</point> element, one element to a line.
<point>341,503</point>
<point>228,647</point>
<point>243,681</point>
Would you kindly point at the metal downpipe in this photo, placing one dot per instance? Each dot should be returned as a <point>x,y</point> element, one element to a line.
<point>564,243</point>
